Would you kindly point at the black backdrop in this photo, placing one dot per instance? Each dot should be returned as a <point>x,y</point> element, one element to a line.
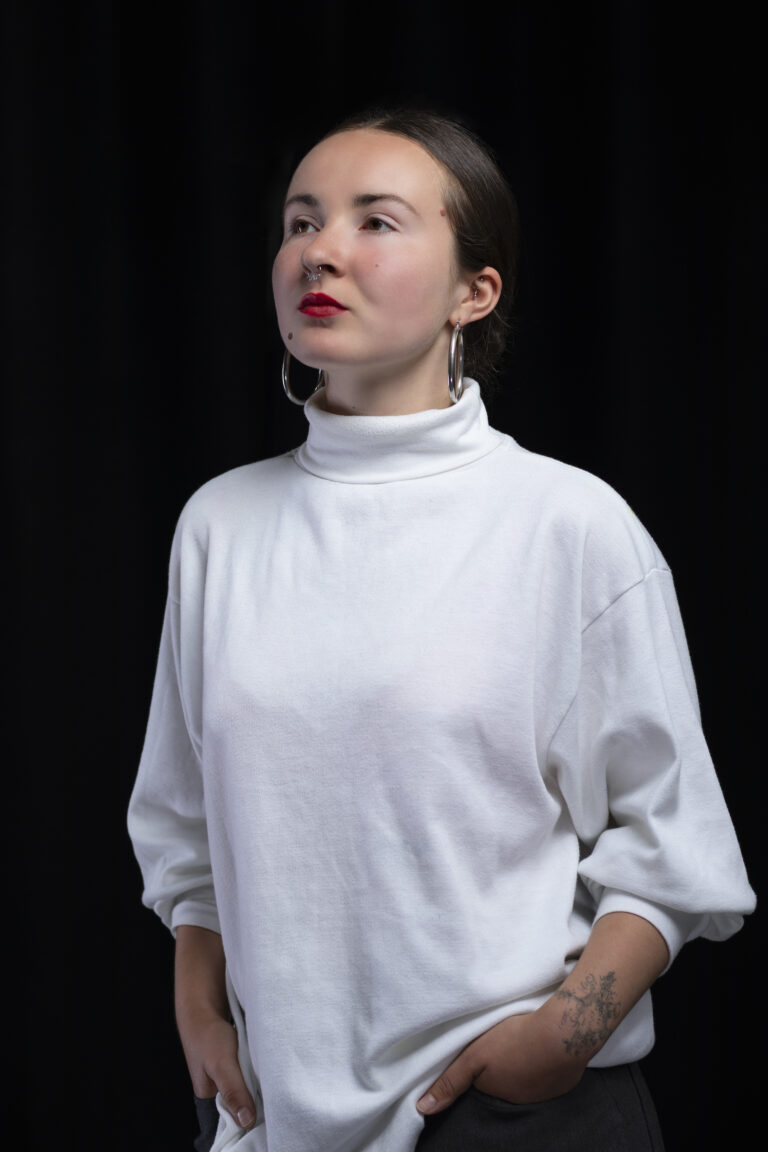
<point>143,150</point>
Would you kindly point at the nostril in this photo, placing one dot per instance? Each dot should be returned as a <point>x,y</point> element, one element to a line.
<point>313,272</point>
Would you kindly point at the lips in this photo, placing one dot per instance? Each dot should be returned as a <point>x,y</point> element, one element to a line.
<point>318,304</point>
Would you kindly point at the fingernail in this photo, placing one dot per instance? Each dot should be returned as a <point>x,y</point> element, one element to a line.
<point>245,1117</point>
<point>427,1103</point>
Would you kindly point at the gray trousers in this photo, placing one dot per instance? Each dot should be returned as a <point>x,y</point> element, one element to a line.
<point>610,1110</point>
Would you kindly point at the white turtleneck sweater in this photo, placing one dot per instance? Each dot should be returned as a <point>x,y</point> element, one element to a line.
<point>423,710</point>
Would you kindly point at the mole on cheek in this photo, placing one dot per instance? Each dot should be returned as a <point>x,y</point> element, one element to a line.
<point>442,211</point>
<point>290,335</point>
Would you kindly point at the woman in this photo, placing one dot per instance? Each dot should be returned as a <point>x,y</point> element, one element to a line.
<point>424,795</point>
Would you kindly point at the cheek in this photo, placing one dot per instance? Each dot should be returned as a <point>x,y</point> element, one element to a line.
<point>281,276</point>
<point>279,270</point>
<point>414,288</point>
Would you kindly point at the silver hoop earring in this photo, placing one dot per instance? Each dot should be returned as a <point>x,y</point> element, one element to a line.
<point>287,382</point>
<point>456,365</point>
<point>312,276</point>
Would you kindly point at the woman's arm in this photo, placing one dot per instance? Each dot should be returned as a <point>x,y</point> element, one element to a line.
<point>543,1054</point>
<point>202,1016</point>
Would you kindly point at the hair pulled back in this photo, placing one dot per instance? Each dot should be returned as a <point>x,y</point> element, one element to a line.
<point>481,209</point>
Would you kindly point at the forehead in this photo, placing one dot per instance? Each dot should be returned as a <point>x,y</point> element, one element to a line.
<point>366,160</point>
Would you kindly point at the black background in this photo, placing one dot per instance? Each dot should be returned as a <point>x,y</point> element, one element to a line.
<point>144,150</point>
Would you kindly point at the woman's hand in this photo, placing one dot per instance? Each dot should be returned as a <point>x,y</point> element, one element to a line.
<point>526,1059</point>
<point>522,1059</point>
<point>202,1016</point>
<point>210,1048</point>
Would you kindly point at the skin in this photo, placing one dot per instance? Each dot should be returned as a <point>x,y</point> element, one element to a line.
<point>392,264</point>
<point>202,1017</point>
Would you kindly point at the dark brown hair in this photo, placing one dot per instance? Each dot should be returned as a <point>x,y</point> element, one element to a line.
<point>481,209</point>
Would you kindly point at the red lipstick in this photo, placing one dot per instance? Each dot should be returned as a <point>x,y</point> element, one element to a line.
<point>318,304</point>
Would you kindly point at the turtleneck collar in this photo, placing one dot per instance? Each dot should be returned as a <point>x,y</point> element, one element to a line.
<point>380,449</point>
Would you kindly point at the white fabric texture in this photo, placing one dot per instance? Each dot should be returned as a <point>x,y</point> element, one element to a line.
<point>423,710</point>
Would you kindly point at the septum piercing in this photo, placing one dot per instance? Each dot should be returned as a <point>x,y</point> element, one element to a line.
<point>312,276</point>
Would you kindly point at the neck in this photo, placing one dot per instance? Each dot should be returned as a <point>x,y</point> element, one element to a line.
<point>421,387</point>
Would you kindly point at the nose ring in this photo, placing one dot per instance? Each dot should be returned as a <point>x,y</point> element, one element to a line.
<point>312,276</point>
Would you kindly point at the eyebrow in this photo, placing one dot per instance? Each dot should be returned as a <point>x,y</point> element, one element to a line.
<point>362,200</point>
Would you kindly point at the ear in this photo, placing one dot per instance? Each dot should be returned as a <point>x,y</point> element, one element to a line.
<point>481,295</point>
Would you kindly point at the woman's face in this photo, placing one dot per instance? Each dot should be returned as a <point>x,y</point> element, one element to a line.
<point>366,209</point>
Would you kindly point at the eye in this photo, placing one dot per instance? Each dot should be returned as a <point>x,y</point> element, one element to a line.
<point>299,227</point>
<point>376,224</point>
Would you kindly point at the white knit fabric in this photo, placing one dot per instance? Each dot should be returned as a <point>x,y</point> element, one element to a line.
<point>423,709</point>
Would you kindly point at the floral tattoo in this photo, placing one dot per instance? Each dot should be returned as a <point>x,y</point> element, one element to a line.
<point>590,1017</point>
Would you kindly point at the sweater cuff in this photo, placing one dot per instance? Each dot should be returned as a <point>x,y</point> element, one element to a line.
<point>676,927</point>
<point>195,913</point>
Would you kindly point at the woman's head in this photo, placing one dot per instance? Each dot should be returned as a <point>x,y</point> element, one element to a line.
<point>395,218</point>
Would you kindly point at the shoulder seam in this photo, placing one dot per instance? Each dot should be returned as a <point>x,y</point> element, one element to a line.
<point>621,595</point>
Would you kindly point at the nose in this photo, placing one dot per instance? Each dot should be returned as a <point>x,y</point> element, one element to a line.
<point>324,250</point>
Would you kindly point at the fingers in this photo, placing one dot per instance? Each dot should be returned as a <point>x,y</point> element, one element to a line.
<point>202,1085</point>
<point>456,1079</point>
<point>234,1093</point>
<point>237,1100</point>
<point>214,1067</point>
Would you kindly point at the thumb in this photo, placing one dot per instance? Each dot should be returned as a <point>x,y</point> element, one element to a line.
<point>452,1084</point>
<point>235,1095</point>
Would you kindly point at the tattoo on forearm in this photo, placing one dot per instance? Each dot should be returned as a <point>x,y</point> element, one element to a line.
<point>590,1017</point>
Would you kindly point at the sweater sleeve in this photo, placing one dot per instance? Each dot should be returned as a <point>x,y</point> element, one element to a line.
<point>635,771</point>
<point>166,815</point>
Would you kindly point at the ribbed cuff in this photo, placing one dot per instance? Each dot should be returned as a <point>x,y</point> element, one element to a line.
<point>195,913</point>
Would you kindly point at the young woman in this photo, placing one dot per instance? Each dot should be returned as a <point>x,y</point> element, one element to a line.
<point>424,795</point>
